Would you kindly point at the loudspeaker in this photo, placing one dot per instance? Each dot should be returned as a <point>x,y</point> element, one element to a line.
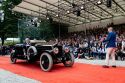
<point>34,24</point>
<point>31,20</point>
<point>73,5</point>
<point>50,19</point>
<point>78,12</point>
<point>109,3</point>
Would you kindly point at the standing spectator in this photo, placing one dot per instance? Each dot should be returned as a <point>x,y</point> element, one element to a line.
<point>3,51</point>
<point>0,50</point>
<point>123,44</point>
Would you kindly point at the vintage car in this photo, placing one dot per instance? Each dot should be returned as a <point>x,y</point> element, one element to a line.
<point>47,55</point>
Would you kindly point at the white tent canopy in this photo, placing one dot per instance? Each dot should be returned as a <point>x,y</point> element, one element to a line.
<point>92,12</point>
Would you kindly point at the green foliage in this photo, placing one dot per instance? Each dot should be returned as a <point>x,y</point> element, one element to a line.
<point>10,43</point>
<point>29,31</point>
<point>50,30</point>
<point>46,29</point>
<point>8,28</point>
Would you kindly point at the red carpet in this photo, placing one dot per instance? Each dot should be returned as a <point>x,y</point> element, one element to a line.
<point>79,73</point>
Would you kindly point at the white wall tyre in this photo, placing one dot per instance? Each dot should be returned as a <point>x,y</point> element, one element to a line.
<point>12,58</point>
<point>68,60</point>
<point>46,62</point>
<point>31,53</point>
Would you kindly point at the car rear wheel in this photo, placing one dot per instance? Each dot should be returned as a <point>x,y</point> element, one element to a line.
<point>68,60</point>
<point>46,62</point>
<point>12,58</point>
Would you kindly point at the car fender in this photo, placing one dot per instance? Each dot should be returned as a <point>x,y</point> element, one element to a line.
<point>47,51</point>
<point>34,49</point>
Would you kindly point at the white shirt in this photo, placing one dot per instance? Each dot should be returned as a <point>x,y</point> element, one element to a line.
<point>102,50</point>
<point>94,49</point>
<point>123,43</point>
<point>86,44</point>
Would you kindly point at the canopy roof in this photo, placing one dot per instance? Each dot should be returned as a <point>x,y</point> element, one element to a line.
<point>89,9</point>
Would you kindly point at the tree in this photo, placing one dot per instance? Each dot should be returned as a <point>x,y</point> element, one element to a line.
<point>51,30</point>
<point>9,27</point>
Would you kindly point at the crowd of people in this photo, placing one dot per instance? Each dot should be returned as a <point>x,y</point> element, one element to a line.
<point>5,50</point>
<point>87,44</point>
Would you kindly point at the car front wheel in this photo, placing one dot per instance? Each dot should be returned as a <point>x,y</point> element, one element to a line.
<point>12,58</point>
<point>68,60</point>
<point>46,62</point>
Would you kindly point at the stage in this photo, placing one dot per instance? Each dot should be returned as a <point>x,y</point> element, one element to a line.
<point>79,73</point>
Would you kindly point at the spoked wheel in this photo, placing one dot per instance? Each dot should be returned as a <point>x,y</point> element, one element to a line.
<point>12,58</point>
<point>46,62</point>
<point>68,60</point>
<point>31,54</point>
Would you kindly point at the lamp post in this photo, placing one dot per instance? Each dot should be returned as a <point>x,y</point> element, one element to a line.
<point>59,27</point>
<point>18,28</point>
<point>20,31</point>
<point>59,19</point>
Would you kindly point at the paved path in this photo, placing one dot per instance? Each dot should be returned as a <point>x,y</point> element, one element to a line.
<point>8,77</point>
<point>99,62</point>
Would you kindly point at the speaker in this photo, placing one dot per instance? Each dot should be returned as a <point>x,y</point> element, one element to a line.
<point>73,5</point>
<point>78,13</point>
<point>35,24</point>
<point>109,3</point>
<point>31,20</point>
<point>50,19</point>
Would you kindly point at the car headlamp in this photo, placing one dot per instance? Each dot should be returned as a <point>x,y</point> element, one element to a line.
<point>56,50</point>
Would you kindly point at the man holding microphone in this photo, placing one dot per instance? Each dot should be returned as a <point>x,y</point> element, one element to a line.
<point>111,47</point>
